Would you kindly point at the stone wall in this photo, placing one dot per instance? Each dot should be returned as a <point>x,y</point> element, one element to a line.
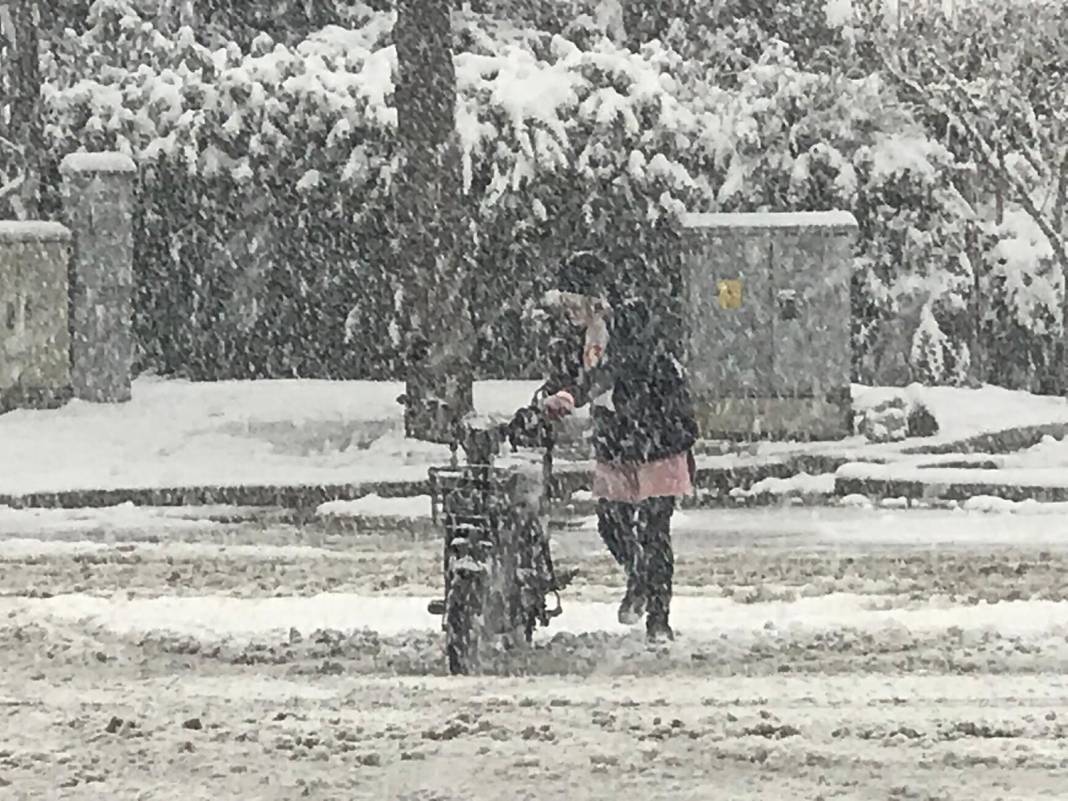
<point>34,333</point>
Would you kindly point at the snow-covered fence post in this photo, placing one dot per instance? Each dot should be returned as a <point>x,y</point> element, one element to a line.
<point>98,198</point>
<point>34,338</point>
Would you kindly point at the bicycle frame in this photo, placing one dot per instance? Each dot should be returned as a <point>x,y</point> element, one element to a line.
<point>497,563</point>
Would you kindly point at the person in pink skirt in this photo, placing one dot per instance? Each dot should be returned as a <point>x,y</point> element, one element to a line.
<point>619,359</point>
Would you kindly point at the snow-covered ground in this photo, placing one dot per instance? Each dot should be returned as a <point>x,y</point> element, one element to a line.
<point>175,433</point>
<point>963,412</point>
<point>1043,465</point>
<point>837,653</point>
<point>1049,453</point>
<point>982,519</point>
<point>124,517</point>
<point>703,620</point>
<point>372,505</point>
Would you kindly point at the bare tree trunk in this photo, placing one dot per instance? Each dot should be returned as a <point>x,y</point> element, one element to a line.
<point>978,361</point>
<point>999,188</point>
<point>430,225</point>
<point>1057,224</point>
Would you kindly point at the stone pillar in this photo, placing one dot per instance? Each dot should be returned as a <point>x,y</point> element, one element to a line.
<point>98,198</point>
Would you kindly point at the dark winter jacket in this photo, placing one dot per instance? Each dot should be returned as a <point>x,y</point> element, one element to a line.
<point>651,414</point>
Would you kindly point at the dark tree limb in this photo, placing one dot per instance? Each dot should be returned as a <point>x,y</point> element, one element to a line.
<point>26,124</point>
<point>430,223</point>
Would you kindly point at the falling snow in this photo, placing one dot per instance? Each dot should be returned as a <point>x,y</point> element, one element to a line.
<point>269,271</point>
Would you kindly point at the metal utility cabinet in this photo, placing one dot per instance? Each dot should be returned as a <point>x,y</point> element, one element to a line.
<point>767,299</point>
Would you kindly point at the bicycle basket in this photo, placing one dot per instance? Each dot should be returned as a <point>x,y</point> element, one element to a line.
<point>470,500</point>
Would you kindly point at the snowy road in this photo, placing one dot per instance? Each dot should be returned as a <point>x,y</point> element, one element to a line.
<point>832,654</point>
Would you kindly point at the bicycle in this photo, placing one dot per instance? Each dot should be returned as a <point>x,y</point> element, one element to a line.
<point>497,564</point>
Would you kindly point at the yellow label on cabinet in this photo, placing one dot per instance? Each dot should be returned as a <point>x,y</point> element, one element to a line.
<point>730,294</point>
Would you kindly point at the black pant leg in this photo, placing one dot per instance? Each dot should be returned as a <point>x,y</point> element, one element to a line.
<point>615,524</point>
<point>658,558</point>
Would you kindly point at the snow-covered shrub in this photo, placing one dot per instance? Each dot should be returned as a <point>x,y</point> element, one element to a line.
<point>896,418</point>
<point>788,138</point>
<point>1022,296</point>
<point>913,276</point>
<point>885,422</point>
<point>266,175</point>
<point>935,357</point>
<point>258,164</point>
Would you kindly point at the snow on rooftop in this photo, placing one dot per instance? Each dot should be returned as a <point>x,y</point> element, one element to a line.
<point>33,231</point>
<point>97,162</point>
<point>771,219</point>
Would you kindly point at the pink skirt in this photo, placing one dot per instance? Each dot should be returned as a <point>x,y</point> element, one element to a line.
<point>634,483</point>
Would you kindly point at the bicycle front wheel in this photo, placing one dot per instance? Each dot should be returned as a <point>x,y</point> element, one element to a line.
<point>464,607</point>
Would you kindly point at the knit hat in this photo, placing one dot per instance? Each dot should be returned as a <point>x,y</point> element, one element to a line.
<point>584,273</point>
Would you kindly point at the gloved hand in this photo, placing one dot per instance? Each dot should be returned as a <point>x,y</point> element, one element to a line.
<point>559,405</point>
<point>525,429</point>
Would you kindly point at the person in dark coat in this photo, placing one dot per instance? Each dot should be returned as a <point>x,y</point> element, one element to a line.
<point>619,359</point>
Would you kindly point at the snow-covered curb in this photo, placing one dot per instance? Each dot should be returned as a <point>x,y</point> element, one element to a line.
<point>993,504</point>
<point>1015,476</point>
<point>301,443</point>
<point>981,504</point>
<point>802,484</point>
<point>913,480</point>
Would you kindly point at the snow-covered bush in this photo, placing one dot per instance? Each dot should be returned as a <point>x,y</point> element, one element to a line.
<point>788,138</point>
<point>913,276</point>
<point>1022,295</point>
<point>885,422</point>
<point>303,137</point>
<point>266,175</point>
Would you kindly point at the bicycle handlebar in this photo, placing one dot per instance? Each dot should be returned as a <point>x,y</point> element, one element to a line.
<point>529,427</point>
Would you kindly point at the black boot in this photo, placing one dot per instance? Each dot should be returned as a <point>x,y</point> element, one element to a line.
<point>654,522</point>
<point>615,524</point>
<point>658,631</point>
<point>632,608</point>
